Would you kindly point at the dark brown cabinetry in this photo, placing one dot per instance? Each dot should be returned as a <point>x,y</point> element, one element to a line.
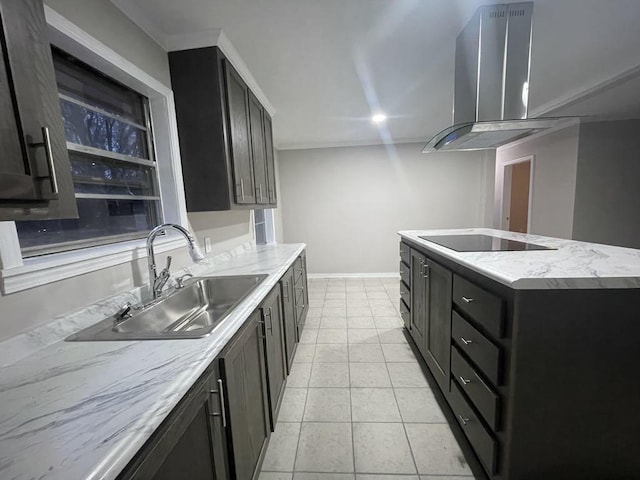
<point>273,325</point>
<point>190,443</point>
<point>244,381</point>
<point>419,296</point>
<point>289,316</point>
<point>35,173</point>
<point>301,291</point>
<point>534,380</point>
<point>430,316</point>
<point>225,134</point>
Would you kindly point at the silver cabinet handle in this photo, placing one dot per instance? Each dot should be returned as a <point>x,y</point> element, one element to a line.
<point>425,271</point>
<point>46,143</point>
<point>223,409</point>
<point>467,299</point>
<point>242,188</point>
<point>465,341</point>
<point>260,189</point>
<point>464,420</point>
<point>464,380</point>
<point>421,267</point>
<point>270,320</point>
<point>286,291</point>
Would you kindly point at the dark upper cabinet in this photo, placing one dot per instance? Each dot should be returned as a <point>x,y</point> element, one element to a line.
<point>239,135</point>
<point>289,316</point>
<point>270,155</point>
<point>438,309</point>
<point>225,143</point>
<point>258,152</point>
<point>244,382</point>
<point>35,173</point>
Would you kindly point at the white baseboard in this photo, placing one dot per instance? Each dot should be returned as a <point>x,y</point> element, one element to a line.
<point>354,275</point>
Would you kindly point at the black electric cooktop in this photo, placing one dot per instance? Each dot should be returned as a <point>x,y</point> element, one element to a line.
<point>481,243</point>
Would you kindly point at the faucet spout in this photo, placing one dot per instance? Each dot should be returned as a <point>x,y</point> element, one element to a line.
<point>157,281</point>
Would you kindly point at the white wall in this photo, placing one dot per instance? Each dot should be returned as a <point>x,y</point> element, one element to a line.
<point>23,310</point>
<point>554,182</point>
<point>607,205</point>
<point>348,203</point>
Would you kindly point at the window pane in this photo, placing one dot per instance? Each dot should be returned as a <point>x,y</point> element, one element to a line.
<point>98,218</point>
<point>85,84</point>
<point>106,176</point>
<point>107,128</point>
<point>93,129</point>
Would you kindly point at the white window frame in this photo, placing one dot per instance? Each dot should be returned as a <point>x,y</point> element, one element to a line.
<point>18,274</point>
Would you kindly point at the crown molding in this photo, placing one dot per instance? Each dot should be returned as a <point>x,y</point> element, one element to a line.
<point>203,38</point>
<point>347,143</point>
<point>580,94</point>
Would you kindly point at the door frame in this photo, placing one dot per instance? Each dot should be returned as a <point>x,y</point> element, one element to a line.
<point>506,190</point>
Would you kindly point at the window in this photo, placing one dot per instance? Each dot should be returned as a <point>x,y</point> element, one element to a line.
<point>109,138</point>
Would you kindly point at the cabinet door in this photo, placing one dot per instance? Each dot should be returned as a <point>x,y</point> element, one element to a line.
<point>419,296</point>
<point>276,363</point>
<point>188,444</point>
<point>257,150</point>
<point>271,166</point>
<point>438,341</point>
<point>239,133</point>
<point>35,173</point>
<point>289,316</point>
<point>245,391</point>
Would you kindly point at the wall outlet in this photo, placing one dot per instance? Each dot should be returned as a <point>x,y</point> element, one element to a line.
<point>207,245</point>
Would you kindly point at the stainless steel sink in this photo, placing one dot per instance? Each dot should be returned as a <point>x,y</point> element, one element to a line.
<point>193,311</point>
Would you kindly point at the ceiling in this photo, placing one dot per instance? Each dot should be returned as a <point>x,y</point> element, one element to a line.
<point>326,66</point>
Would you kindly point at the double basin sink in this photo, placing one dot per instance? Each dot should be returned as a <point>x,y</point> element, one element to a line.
<point>192,311</point>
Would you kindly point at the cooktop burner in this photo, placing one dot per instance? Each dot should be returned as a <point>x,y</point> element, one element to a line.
<point>481,243</point>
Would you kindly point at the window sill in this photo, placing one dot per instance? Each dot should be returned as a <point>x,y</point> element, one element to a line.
<point>39,271</point>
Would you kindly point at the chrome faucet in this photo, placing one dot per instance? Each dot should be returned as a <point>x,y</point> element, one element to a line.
<point>158,280</point>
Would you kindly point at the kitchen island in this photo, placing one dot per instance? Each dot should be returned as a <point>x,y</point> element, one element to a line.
<point>534,351</point>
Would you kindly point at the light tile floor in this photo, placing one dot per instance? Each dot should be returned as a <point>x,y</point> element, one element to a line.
<point>357,403</point>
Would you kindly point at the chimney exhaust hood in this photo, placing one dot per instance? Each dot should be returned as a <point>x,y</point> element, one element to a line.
<point>491,90</point>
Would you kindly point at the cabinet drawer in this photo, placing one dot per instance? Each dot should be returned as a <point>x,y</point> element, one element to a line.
<point>486,401</point>
<point>405,274</point>
<point>405,253</point>
<point>481,440</point>
<point>405,294</point>
<point>405,313</point>
<point>477,347</point>
<point>482,306</point>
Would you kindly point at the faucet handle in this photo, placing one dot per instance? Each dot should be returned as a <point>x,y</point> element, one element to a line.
<point>168,262</point>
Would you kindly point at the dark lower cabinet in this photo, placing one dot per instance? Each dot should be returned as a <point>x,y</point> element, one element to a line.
<point>190,443</point>
<point>438,310</point>
<point>244,383</point>
<point>301,290</point>
<point>289,316</point>
<point>272,322</point>
<point>419,296</point>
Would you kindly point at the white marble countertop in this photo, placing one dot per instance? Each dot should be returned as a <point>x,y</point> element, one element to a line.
<point>574,265</point>
<point>81,410</point>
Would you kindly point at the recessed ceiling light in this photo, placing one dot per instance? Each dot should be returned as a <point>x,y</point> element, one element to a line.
<point>378,118</point>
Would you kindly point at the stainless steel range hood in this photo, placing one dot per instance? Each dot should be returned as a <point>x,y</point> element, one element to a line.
<point>491,91</point>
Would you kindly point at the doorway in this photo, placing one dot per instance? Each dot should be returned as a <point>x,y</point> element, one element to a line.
<point>516,195</point>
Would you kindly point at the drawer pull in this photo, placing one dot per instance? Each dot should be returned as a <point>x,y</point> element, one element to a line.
<point>467,299</point>
<point>464,380</point>
<point>465,341</point>
<point>223,412</point>
<point>464,420</point>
